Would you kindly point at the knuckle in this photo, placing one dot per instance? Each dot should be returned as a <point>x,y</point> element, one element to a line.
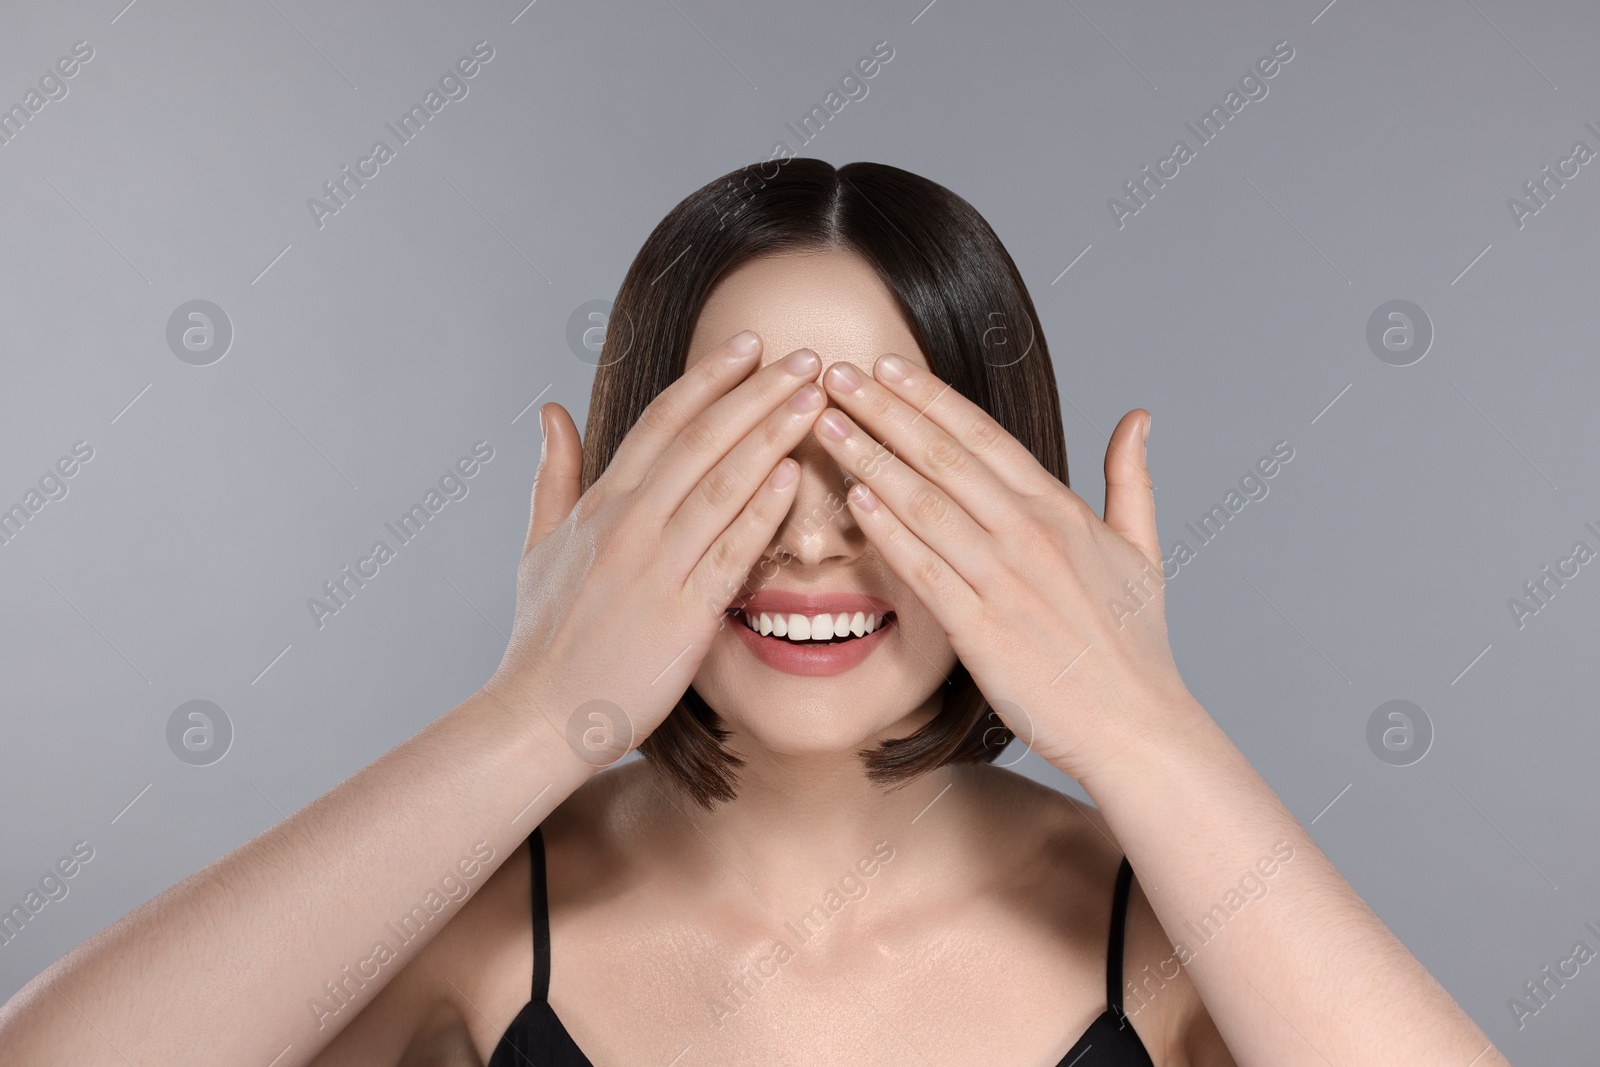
<point>718,486</point>
<point>984,436</point>
<point>774,436</point>
<point>881,407</point>
<point>659,417</point>
<point>929,574</point>
<point>875,460</point>
<point>696,439</point>
<point>927,506</point>
<point>759,512</point>
<point>722,555</point>
<point>1037,542</point>
<point>1066,510</point>
<point>1081,514</point>
<point>944,456</point>
<point>1030,538</point>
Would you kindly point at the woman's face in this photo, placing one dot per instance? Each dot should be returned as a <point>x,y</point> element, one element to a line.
<point>769,691</point>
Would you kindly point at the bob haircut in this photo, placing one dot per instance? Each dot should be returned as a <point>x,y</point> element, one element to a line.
<point>967,307</point>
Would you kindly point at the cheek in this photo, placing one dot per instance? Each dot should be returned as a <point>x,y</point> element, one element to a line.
<point>925,644</point>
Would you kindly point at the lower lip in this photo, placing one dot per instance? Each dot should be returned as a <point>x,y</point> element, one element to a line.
<point>811,660</point>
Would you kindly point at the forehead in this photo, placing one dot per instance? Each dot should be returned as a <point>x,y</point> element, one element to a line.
<point>831,302</point>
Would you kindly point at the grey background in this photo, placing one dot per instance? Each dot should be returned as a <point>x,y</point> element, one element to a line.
<point>429,313</point>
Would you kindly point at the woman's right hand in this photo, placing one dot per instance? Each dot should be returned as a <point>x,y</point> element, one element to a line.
<point>620,595</point>
<point>621,591</point>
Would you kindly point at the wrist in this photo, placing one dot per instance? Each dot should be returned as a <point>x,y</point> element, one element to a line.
<point>536,727</point>
<point>1163,740</point>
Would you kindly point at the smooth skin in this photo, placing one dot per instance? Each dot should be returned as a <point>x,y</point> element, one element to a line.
<point>247,941</point>
<point>1022,574</point>
<point>981,940</point>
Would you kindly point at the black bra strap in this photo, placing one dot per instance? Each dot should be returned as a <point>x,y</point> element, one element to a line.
<point>541,919</point>
<point>1119,915</point>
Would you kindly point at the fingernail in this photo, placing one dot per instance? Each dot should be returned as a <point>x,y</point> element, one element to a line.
<point>1145,438</point>
<point>833,425</point>
<point>544,437</point>
<point>785,473</point>
<point>744,343</point>
<point>845,376</point>
<point>805,399</point>
<point>865,499</point>
<point>802,363</point>
<point>894,368</point>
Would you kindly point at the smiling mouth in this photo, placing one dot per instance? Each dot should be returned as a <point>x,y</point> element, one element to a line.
<point>814,630</point>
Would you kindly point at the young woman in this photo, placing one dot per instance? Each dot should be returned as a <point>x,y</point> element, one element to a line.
<point>817,558</point>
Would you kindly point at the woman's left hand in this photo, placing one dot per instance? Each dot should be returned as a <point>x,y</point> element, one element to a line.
<point>1059,617</point>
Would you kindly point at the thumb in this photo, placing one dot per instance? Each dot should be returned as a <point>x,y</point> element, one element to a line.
<point>556,483</point>
<point>1130,496</point>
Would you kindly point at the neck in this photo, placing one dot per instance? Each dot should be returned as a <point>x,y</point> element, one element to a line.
<point>799,820</point>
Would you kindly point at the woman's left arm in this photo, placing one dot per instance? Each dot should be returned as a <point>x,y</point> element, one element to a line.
<point>1060,618</point>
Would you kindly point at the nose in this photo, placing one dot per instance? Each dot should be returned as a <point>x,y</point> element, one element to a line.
<point>819,528</point>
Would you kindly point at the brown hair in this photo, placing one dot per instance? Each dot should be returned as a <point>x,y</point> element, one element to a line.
<point>965,304</point>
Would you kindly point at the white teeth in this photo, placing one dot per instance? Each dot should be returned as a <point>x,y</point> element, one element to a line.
<point>822,627</point>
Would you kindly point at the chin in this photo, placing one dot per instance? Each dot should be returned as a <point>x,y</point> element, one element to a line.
<point>794,715</point>
<point>804,732</point>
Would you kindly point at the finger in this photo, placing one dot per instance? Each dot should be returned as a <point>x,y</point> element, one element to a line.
<point>560,474</point>
<point>978,432</point>
<point>722,570</point>
<point>928,512</point>
<point>945,594</point>
<point>923,444</point>
<point>714,432</point>
<point>729,485</point>
<point>1130,498</point>
<point>665,417</point>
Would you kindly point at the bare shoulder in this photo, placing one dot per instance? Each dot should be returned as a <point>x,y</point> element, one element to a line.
<point>486,952</point>
<point>1068,877</point>
<point>453,1000</point>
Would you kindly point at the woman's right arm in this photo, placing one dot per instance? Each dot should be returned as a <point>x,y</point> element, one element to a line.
<point>230,965</point>
<point>275,945</point>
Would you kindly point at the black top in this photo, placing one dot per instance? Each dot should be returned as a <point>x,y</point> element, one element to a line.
<point>537,1035</point>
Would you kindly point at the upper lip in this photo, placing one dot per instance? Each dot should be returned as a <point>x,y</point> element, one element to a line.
<point>775,602</point>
